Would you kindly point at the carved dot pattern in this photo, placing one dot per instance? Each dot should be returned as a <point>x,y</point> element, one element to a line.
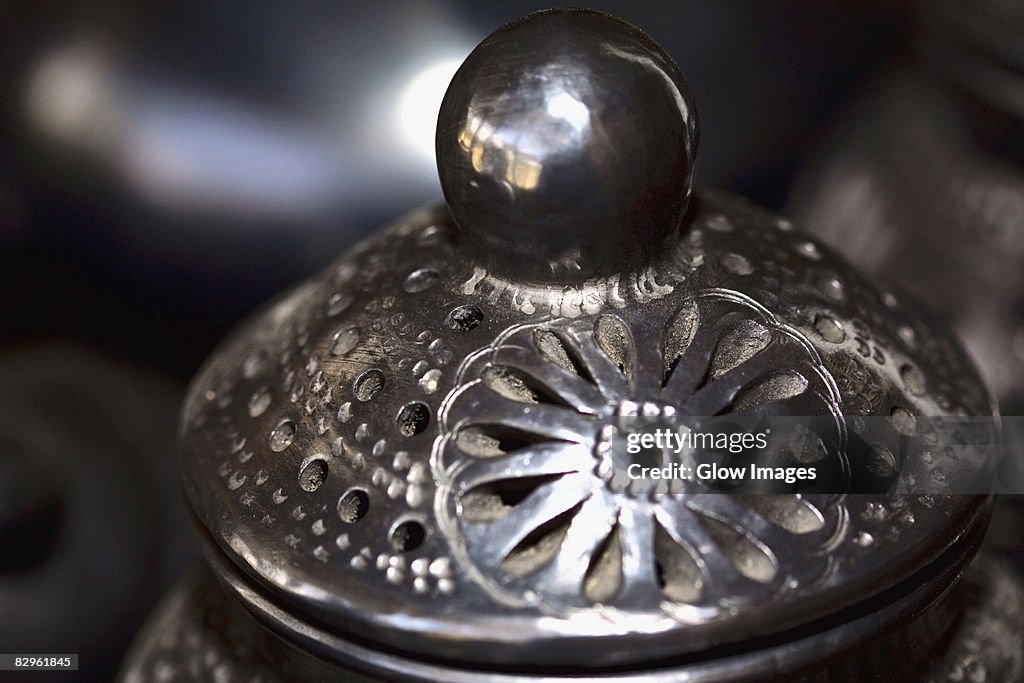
<point>656,331</point>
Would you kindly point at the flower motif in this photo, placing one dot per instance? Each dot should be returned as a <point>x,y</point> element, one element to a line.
<point>531,454</point>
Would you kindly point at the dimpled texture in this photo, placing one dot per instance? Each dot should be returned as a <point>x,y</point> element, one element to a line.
<point>348,490</point>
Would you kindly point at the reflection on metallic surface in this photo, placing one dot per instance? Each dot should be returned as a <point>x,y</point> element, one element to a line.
<point>545,154</point>
<point>200,633</point>
<point>400,465</point>
<point>312,438</point>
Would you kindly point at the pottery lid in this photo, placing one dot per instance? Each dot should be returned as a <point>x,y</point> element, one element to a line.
<point>418,448</point>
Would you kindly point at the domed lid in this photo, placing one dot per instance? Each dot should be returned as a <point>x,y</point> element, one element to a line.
<point>421,448</point>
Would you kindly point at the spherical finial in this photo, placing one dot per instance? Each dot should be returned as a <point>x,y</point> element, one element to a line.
<point>566,146</point>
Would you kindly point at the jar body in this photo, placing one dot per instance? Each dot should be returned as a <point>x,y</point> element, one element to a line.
<point>201,633</point>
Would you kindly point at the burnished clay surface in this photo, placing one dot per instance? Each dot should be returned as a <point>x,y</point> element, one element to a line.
<point>566,147</point>
<point>327,424</point>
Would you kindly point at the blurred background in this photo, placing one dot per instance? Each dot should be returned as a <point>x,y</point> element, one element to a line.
<point>167,166</point>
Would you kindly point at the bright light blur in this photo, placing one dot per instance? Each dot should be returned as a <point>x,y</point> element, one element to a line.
<point>193,149</point>
<point>419,104</point>
<point>70,96</point>
<point>182,148</point>
<point>185,145</point>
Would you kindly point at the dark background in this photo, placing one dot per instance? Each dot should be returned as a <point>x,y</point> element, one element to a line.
<point>167,166</point>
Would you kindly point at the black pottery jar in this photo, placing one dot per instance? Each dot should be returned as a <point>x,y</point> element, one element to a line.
<point>407,467</point>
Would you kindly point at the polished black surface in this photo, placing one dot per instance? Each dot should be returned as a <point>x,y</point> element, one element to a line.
<point>566,146</point>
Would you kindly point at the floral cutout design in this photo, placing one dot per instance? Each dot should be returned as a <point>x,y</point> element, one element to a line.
<point>528,454</point>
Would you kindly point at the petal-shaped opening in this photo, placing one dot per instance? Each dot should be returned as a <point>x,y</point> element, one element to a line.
<point>603,579</point>
<point>679,335</point>
<point>522,387</point>
<point>494,411</point>
<point>679,574</point>
<point>492,440</point>
<point>537,378</point>
<point>540,546</point>
<point>795,445</point>
<point>556,350</point>
<point>511,384</point>
<point>615,340</point>
<point>790,512</point>
<point>495,500</point>
<point>738,345</point>
<point>749,558</point>
<point>776,387</point>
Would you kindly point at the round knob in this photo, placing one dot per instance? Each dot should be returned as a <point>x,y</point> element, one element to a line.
<point>566,146</point>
